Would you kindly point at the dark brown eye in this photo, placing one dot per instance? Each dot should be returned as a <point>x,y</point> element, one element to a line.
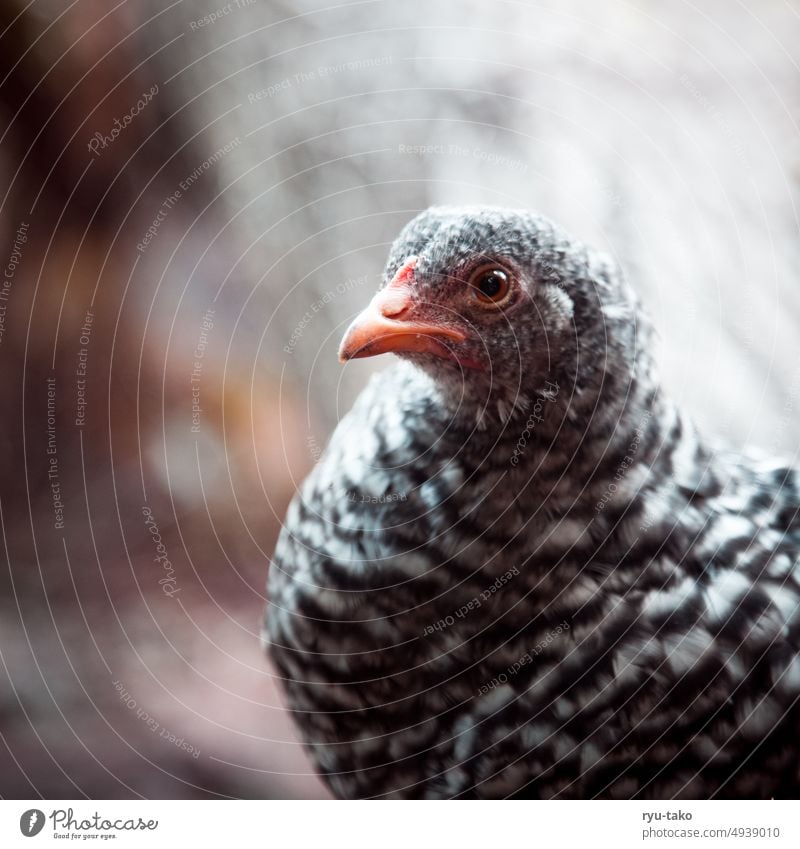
<point>491,285</point>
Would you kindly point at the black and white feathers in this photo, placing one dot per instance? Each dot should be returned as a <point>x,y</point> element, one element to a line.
<point>529,575</point>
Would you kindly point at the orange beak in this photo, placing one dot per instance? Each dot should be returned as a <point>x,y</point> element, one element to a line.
<point>385,326</point>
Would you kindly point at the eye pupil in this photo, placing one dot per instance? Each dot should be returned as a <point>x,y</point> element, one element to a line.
<point>491,285</point>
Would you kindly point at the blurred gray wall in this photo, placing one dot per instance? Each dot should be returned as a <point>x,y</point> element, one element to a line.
<point>666,133</point>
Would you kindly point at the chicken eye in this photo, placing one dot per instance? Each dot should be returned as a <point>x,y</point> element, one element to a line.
<point>491,285</point>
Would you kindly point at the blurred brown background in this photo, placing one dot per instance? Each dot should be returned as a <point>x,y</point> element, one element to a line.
<point>198,196</point>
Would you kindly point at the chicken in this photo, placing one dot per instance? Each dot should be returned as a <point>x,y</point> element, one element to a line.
<point>518,570</point>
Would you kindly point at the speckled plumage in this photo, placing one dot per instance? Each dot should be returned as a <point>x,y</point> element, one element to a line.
<point>538,580</point>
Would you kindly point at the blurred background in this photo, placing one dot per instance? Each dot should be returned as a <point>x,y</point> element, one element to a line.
<point>198,196</point>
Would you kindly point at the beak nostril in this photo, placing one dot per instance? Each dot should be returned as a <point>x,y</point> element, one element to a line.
<point>393,303</point>
<point>395,300</point>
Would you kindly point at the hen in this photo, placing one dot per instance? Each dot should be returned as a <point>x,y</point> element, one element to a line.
<point>518,569</point>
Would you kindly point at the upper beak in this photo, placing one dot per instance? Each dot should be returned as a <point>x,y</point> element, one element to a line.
<point>385,325</point>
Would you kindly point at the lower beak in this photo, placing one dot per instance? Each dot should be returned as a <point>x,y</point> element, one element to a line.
<point>374,332</point>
